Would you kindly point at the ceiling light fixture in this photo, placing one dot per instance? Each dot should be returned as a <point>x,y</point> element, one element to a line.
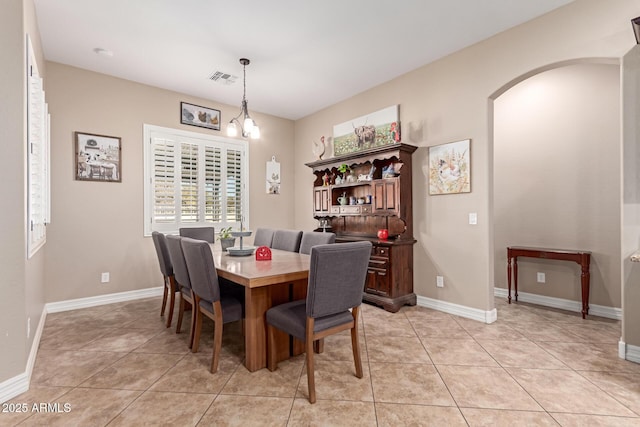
<point>247,127</point>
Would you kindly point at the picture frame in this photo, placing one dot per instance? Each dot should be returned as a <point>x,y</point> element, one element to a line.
<point>375,129</point>
<point>97,157</point>
<point>197,115</point>
<point>450,168</point>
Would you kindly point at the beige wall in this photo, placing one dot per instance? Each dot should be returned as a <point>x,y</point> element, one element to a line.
<point>22,283</point>
<point>449,100</point>
<point>631,196</point>
<point>557,178</point>
<point>97,226</point>
<point>13,249</point>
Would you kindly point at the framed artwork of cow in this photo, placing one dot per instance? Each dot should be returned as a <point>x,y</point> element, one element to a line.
<point>372,130</point>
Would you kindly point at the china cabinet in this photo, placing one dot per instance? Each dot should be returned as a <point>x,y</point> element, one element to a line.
<point>374,194</point>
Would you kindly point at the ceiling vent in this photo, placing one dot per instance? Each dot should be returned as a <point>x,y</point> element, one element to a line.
<point>224,78</point>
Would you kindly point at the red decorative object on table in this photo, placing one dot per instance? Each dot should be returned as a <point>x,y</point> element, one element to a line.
<point>383,234</point>
<point>263,253</point>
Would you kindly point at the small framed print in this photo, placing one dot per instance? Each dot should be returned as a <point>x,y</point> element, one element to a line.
<point>98,157</point>
<point>196,115</point>
<point>450,168</point>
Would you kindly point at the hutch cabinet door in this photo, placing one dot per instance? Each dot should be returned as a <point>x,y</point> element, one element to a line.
<point>386,195</point>
<point>377,282</point>
<point>321,200</point>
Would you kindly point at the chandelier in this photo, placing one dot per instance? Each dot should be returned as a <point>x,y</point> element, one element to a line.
<point>248,127</point>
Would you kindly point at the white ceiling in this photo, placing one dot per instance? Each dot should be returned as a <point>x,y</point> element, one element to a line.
<point>304,55</point>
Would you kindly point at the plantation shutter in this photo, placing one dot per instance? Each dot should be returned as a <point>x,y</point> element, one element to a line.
<point>192,180</point>
<point>38,173</point>
<point>164,181</point>
<point>234,186</point>
<point>189,183</point>
<point>213,184</point>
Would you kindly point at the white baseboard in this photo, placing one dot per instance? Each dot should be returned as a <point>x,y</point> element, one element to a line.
<point>632,353</point>
<point>563,304</point>
<point>20,383</point>
<point>14,387</point>
<point>458,310</point>
<point>74,304</point>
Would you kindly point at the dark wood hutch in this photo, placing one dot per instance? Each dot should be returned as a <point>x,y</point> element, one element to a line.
<point>370,202</point>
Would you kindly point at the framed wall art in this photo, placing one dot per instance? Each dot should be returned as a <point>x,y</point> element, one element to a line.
<point>196,115</point>
<point>98,157</point>
<point>373,130</point>
<point>450,168</point>
<point>273,176</point>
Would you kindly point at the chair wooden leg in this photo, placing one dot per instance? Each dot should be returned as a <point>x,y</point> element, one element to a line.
<point>355,343</point>
<point>192,327</point>
<point>164,296</point>
<point>311,383</point>
<point>180,314</point>
<point>272,363</point>
<point>172,299</point>
<point>198,325</point>
<point>318,345</point>
<point>217,337</point>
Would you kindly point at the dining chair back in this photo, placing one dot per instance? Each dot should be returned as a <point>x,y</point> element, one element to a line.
<point>166,268</point>
<point>181,274</point>
<point>313,238</point>
<point>206,294</point>
<point>286,240</point>
<point>337,275</point>
<point>263,237</point>
<point>208,234</point>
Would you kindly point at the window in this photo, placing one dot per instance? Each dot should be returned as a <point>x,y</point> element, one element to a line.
<point>193,179</point>
<point>38,182</point>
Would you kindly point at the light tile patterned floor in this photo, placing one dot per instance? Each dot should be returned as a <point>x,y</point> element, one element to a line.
<point>117,365</point>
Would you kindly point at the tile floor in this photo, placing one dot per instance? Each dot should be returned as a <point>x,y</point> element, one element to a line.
<point>118,365</point>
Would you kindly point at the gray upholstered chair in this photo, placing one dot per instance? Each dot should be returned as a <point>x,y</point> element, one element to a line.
<point>337,274</point>
<point>208,234</point>
<point>206,295</point>
<point>182,281</point>
<point>263,237</point>
<point>313,238</point>
<point>170,289</point>
<point>286,240</point>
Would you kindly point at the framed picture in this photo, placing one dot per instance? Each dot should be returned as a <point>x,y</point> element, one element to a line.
<point>450,168</point>
<point>273,176</point>
<point>196,115</point>
<point>98,157</point>
<point>373,130</point>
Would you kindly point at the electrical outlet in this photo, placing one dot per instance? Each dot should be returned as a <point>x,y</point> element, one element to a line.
<point>541,277</point>
<point>440,281</point>
<point>104,278</point>
<point>473,218</point>
<point>28,327</point>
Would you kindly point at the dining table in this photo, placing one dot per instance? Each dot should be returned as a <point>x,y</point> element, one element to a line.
<point>266,283</point>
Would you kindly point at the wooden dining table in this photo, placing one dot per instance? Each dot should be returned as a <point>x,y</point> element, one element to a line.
<point>267,283</point>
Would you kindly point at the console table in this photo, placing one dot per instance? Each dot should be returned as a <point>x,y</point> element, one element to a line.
<point>583,258</point>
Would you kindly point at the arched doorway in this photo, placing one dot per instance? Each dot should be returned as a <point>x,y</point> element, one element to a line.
<point>556,180</point>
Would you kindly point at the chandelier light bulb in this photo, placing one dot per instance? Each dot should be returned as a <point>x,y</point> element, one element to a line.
<point>232,130</point>
<point>255,132</point>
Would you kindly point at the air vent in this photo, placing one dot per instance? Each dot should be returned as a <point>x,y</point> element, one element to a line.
<point>224,78</point>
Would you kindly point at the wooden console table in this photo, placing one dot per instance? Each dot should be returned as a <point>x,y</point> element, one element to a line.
<point>581,257</point>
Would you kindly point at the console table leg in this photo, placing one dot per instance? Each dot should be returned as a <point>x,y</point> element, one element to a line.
<point>515,276</point>
<point>509,277</point>
<point>585,278</point>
